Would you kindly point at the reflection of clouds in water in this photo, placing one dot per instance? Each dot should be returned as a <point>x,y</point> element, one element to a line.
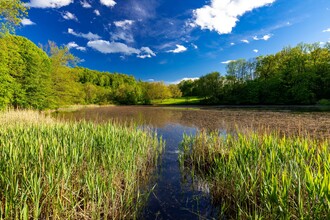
<point>174,152</point>
<point>225,120</point>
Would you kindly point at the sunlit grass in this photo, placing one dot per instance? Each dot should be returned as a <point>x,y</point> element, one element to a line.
<point>254,176</point>
<point>66,170</point>
<point>177,101</point>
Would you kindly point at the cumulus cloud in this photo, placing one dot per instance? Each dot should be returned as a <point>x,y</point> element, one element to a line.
<point>255,50</point>
<point>88,36</point>
<point>112,47</point>
<point>107,47</point>
<point>125,24</point>
<point>85,4</point>
<point>222,15</point>
<point>48,3</point>
<point>69,16</point>
<point>26,21</point>
<point>108,3</point>
<point>97,12</point>
<point>326,30</point>
<point>146,52</point>
<point>245,41</point>
<point>232,44</point>
<point>227,61</point>
<point>75,46</point>
<point>265,37</point>
<point>178,49</point>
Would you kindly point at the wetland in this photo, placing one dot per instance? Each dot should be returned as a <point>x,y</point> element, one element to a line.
<point>178,191</point>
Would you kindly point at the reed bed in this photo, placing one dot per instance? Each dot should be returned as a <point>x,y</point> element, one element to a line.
<point>66,170</point>
<point>262,176</point>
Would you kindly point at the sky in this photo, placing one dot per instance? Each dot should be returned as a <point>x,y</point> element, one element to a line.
<point>170,40</point>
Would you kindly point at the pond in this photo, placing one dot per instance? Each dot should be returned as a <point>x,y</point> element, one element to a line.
<point>175,194</point>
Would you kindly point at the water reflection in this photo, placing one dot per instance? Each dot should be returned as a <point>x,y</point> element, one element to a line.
<point>177,195</point>
<point>314,123</point>
<point>174,198</point>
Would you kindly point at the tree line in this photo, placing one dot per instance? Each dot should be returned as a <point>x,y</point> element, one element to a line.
<point>295,75</point>
<point>46,78</point>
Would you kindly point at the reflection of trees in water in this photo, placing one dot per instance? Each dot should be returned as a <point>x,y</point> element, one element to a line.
<point>211,119</point>
<point>156,117</point>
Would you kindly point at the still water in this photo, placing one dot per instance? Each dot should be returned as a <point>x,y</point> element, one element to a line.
<point>176,197</point>
<point>175,194</point>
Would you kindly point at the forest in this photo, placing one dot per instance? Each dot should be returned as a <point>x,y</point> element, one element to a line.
<point>48,77</point>
<point>295,75</point>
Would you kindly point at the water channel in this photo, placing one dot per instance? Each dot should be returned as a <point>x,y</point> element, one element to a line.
<point>175,194</point>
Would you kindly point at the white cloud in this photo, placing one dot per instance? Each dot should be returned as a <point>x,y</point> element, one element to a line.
<point>178,49</point>
<point>125,24</point>
<point>112,47</point>
<point>123,31</point>
<point>245,41</point>
<point>222,15</point>
<point>146,52</point>
<point>97,12</point>
<point>228,61</point>
<point>85,4</point>
<point>121,35</point>
<point>75,46</point>
<point>71,45</point>
<point>89,35</point>
<point>26,21</point>
<point>232,44</point>
<point>108,3</point>
<point>194,46</point>
<point>265,37</point>
<point>107,47</point>
<point>183,79</point>
<point>326,30</point>
<point>144,56</point>
<point>255,50</point>
<point>48,3</point>
<point>69,16</point>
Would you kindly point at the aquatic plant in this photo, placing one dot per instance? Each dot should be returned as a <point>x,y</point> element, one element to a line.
<point>262,176</point>
<point>72,170</point>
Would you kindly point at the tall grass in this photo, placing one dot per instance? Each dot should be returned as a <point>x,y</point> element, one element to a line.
<point>254,176</point>
<point>66,170</point>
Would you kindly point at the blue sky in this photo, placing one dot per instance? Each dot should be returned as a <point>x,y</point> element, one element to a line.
<point>168,40</point>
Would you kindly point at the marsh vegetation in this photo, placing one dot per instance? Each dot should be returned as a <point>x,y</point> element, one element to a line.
<point>262,176</point>
<point>236,163</point>
<point>73,170</point>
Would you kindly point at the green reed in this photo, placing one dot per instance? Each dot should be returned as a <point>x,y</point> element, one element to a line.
<point>66,170</point>
<point>255,176</point>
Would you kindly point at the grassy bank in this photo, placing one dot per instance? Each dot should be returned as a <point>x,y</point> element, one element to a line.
<point>177,101</point>
<point>256,176</point>
<point>61,170</point>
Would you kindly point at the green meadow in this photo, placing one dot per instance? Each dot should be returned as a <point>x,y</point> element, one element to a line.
<point>177,101</point>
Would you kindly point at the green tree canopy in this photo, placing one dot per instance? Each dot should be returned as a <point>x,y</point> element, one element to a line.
<point>25,73</point>
<point>11,14</point>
